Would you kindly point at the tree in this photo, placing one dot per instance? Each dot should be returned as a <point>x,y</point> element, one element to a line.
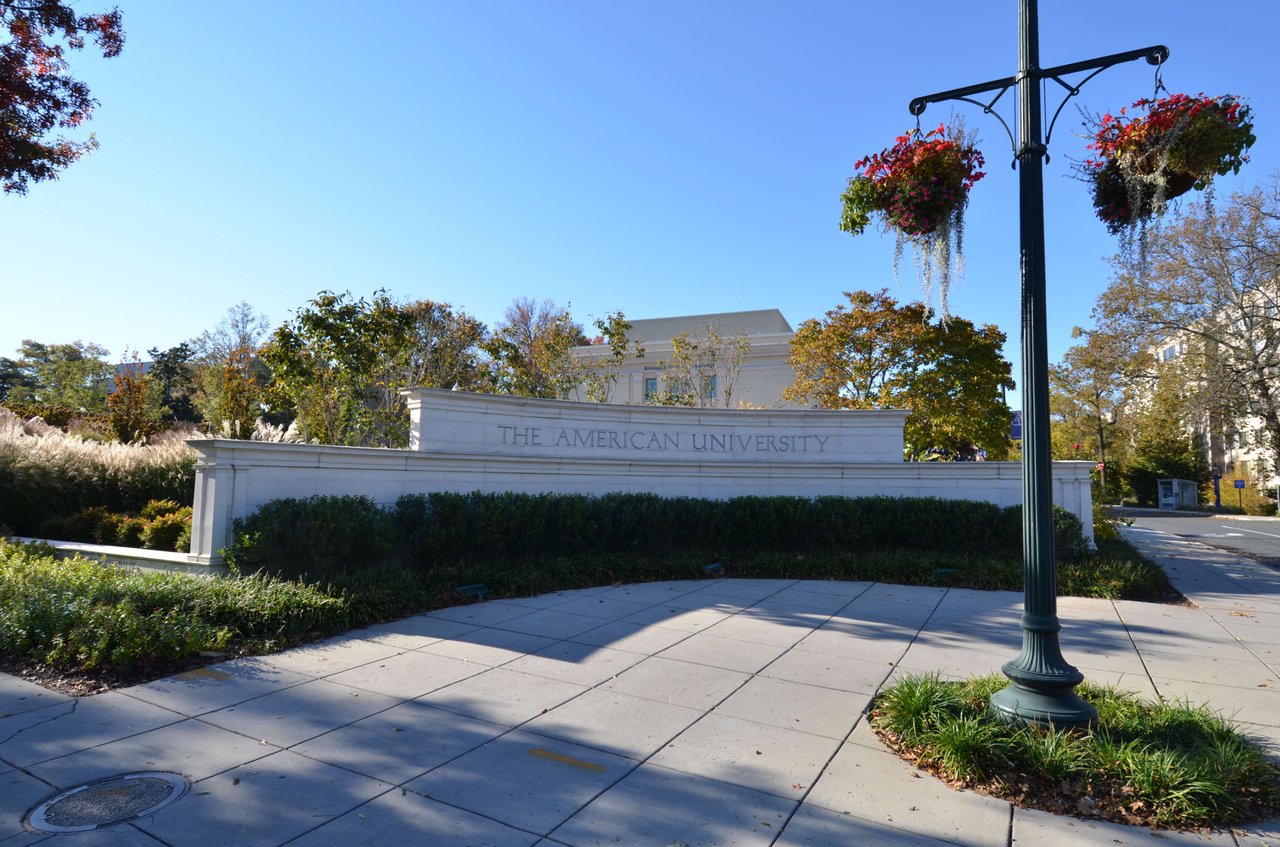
<point>875,354</point>
<point>73,375</point>
<point>341,363</point>
<point>531,350</point>
<point>242,326</point>
<point>1210,293</point>
<point>703,369</point>
<point>131,409</point>
<point>16,384</point>
<point>599,374</point>
<point>37,95</point>
<point>173,380</point>
<point>441,348</point>
<point>238,405</point>
<point>226,373</point>
<point>1089,395</point>
<point>1165,447</point>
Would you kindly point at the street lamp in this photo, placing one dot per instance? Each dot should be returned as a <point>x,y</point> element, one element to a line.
<point>1042,684</point>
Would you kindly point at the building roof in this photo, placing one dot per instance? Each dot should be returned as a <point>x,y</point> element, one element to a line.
<point>758,322</point>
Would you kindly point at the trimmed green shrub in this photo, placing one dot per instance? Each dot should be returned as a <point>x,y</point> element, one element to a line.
<point>161,525</point>
<point>129,531</point>
<point>315,537</point>
<point>165,532</point>
<point>159,508</point>
<point>326,535</point>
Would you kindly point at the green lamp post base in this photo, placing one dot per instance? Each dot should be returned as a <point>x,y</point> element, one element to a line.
<point>1042,699</point>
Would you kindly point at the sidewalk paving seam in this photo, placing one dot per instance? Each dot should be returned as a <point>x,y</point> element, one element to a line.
<point>517,727</point>
<point>862,717</point>
<point>1134,644</point>
<point>1242,588</point>
<point>711,709</point>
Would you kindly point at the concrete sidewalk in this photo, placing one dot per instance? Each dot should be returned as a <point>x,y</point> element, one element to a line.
<point>721,712</point>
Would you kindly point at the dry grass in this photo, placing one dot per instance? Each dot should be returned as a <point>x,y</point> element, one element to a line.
<point>44,472</point>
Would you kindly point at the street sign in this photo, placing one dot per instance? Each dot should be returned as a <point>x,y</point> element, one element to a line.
<point>1239,483</point>
<point>1016,433</point>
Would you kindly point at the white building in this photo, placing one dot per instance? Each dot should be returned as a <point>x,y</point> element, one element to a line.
<point>757,381</point>
<point>1235,447</point>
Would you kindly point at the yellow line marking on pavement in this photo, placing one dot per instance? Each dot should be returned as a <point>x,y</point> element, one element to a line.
<point>566,760</point>
<point>205,673</point>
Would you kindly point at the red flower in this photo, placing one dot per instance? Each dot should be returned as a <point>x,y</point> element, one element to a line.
<point>1181,143</point>
<point>915,185</point>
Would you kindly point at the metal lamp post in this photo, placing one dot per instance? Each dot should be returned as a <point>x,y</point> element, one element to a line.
<point>1042,684</point>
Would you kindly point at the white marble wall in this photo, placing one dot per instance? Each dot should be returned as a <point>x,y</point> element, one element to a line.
<point>235,478</point>
<point>462,423</point>
<point>464,442</point>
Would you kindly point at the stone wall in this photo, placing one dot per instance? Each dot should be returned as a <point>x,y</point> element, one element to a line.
<point>465,442</point>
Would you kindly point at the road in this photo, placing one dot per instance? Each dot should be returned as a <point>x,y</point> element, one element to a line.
<point>1257,538</point>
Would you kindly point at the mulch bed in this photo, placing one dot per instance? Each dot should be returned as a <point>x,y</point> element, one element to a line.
<point>83,683</point>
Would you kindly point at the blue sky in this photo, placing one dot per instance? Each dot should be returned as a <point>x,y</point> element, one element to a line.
<point>660,158</point>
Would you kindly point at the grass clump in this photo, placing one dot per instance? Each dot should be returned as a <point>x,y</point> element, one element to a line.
<point>1168,765</point>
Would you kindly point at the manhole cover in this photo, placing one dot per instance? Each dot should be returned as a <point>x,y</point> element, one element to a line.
<point>107,802</point>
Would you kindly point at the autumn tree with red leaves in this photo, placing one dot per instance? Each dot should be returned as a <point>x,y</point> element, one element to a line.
<point>37,94</point>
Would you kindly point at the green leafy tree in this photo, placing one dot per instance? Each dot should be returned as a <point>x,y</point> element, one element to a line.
<point>600,368</point>
<point>1165,447</point>
<point>74,375</point>
<point>703,369</point>
<point>37,95</point>
<point>1210,288</point>
<point>16,384</point>
<point>173,382</point>
<point>341,363</point>
<point>322,364</point>
<point>531,350</point>
<point>1090,393</point>
<point>439,348</point>
<point>876,354</point>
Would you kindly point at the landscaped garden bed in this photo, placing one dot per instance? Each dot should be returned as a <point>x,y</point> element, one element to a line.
<point>1168,765</point>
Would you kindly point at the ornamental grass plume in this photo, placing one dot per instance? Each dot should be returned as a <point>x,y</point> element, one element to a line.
<point>919,188</point>
<point>45,472</point>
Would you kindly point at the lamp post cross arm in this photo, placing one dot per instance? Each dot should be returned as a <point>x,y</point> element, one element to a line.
<point>1154,55</point>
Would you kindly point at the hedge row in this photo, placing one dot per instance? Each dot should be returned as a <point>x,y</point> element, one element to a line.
<point>325,535</point>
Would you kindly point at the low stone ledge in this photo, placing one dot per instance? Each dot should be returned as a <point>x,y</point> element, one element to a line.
<point>130,557</point>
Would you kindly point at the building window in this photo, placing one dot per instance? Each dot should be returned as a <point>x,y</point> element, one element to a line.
<point>650,387</point>
<point>709,386</point>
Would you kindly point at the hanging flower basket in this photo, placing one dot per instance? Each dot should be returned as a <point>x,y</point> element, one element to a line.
<point>919,188</point>
<point>1181,143</point>
<point>918,185</point>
